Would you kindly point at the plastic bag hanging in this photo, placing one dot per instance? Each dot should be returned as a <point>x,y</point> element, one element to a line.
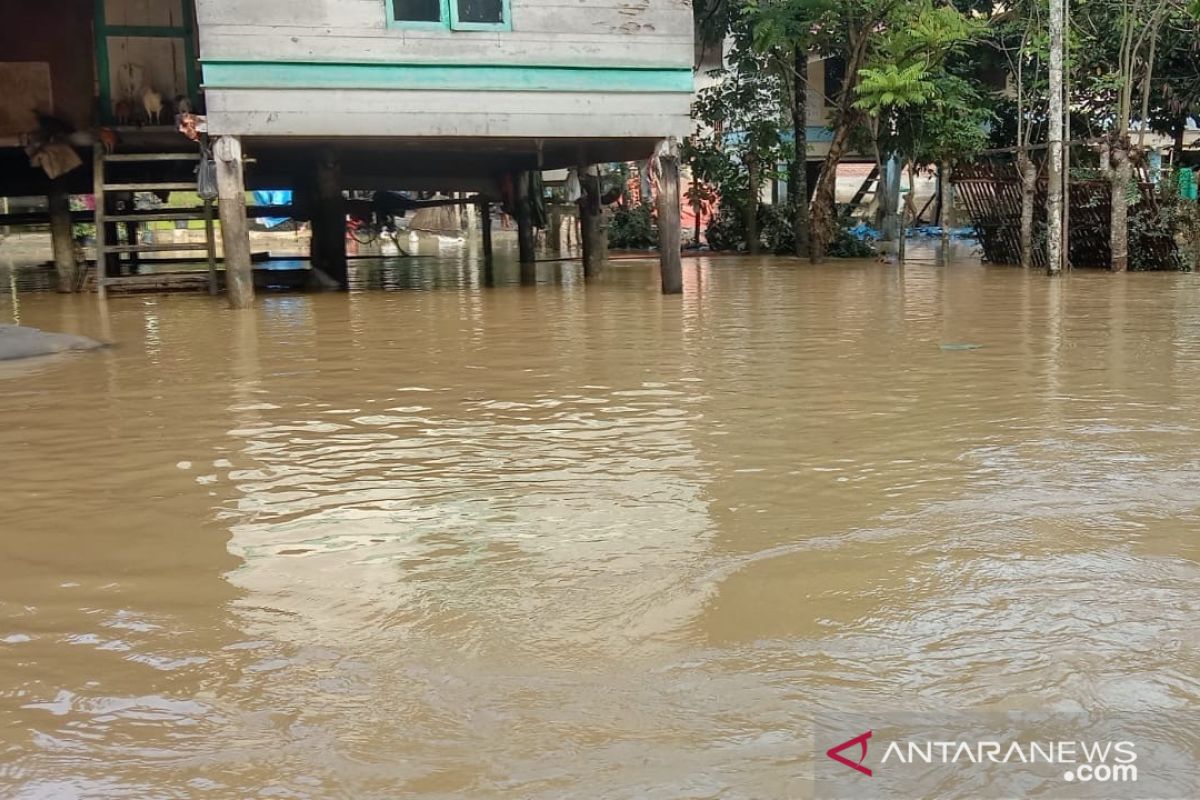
<point>206,176</point>
<point>574,188</point>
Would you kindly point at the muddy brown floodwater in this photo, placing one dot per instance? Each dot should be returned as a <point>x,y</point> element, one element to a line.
<point>547,541</point>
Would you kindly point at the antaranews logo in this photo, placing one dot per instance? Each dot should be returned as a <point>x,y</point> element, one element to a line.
<point>995,755</point>
<point>860,742</point>
<point>1095,756</point>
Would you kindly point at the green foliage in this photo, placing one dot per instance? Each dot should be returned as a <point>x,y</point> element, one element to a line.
<point>893,86</point>
<point>738,126</point>
<point>1171,216</point>
<point>922,108</point>
<point>787,24</point>
<point>632,228</point>
<point>727,231</point>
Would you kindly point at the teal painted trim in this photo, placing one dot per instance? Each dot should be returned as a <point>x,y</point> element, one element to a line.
<point>103,69</point>
<point>146,31</point>
<point>192,66</point>
<point>441,25</point>
<point>442,77</point>
<point>504,25</point>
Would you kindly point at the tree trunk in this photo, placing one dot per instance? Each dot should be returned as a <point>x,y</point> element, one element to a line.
<point>752,244</point>
<point>823,213</point>
<point>825,196</point>
<point>798,179</point>
<point>1028,195</point>
<point>1119,219</point>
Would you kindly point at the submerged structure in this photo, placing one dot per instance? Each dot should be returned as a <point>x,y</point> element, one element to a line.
<point>328,96</point>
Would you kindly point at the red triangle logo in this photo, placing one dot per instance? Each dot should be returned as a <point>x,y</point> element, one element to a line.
<point>835,753</point>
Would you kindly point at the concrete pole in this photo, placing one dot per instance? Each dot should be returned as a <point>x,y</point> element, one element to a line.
<point>61,238</point>
<point>670,259</point>
<point>1054,177</point>
<point>235,234</point>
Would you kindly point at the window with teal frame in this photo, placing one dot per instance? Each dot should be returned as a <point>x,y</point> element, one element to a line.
<point>458,15</point>
<point>418,13</point>
<point>480,15</point>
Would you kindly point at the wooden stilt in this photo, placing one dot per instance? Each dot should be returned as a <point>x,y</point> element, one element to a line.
<point>671,262</point>
<point>132,237</point>
<point>554,234</point>
<point>211,241</point>
<point>101,227</point>
<point>329,222</point>
<point>485,225</point>
<point>594,238</point>
<point>235,234</point>
<point>525,235</point>
<point>60,236</point>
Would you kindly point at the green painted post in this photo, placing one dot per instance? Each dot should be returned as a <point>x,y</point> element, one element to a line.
<point>189,50</point>
<point>103,75</point>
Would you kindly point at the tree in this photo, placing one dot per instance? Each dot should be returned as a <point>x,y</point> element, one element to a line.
<point>848,31</point>
<point>1122,39</point>
<point>738,143</point>
<point>786,31</point>
<point>918,108</point>
<point>1020,34</point>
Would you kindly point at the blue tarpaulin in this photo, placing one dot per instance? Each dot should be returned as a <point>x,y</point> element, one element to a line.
<point>274,197</point>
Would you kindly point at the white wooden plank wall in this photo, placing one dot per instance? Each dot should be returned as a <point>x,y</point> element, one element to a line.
<point>601,33</point>
<point>293,112</point>
<point>633,33</point>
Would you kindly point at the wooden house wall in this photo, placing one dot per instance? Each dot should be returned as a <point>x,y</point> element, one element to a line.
<point>139,62</point>
<point>58,35</point>
<point>568,68</point>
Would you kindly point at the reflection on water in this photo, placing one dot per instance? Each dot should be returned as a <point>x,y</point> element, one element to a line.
<point>492,537</point>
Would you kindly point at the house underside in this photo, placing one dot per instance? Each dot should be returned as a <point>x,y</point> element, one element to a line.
<point>105,85</point>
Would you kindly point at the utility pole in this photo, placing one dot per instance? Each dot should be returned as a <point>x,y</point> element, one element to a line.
<point>1054,188</point>
<point>1066,176</point>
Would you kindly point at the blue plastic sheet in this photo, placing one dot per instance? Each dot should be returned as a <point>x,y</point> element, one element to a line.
<point>273,197</point>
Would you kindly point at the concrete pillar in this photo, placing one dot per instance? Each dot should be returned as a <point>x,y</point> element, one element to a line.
<point>594,238</point>
<point>889,187</point>
<point>61,237</point>
<point>525,235</point>
<point>671,261</point>
<point>235,234</point>
<point>329,221</point>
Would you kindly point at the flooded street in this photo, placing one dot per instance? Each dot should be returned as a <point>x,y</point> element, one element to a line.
<point>550,541</point>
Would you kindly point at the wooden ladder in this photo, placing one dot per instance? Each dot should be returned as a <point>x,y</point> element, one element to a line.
<point>104,186</point>
<point>870,185</point>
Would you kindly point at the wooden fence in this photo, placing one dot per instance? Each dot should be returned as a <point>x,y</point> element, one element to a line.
<point>991,193</point>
